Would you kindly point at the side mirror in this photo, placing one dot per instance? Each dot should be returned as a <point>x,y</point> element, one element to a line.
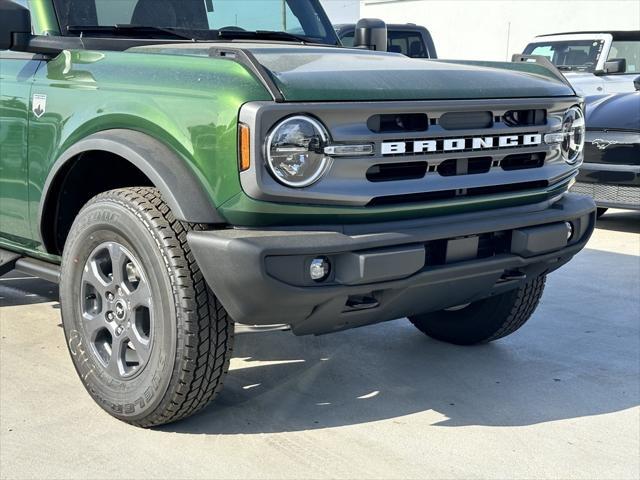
<point>14,19</point>
<point>636,83</point>
<point>615,65</point>
<point>371,33</point>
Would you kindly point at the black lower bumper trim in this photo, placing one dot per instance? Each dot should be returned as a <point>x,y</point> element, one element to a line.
<point>262,277</point>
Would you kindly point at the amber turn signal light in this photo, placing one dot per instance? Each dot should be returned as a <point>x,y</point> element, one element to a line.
<point>244,144</point>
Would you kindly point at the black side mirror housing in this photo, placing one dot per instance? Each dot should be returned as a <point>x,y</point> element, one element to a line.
<point>636,83</point>
<point>14,20</point>
<point>371,33</point>
<point>615,65</point>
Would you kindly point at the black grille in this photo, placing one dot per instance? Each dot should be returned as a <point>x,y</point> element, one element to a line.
<point>398,122</point>
<point>388,172</point>
<point>522,161</point>
<point>525,118</point>
<point>466,120</point>
<point>464,166</point>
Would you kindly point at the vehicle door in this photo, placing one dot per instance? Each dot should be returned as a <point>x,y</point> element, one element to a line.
<point>17,70</point>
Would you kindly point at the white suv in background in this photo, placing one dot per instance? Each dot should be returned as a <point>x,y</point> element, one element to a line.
<point>595,63</point>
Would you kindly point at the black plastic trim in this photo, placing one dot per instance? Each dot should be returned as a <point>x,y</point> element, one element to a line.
<point>321,309</point>
<point>249,61</point>
<point>168,172</point>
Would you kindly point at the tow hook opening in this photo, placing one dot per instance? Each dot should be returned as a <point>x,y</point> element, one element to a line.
<point>361,302</point>
<point>512,275</point>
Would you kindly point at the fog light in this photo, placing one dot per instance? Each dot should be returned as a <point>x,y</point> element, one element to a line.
<point>319,269</point>
<point>569,226</point>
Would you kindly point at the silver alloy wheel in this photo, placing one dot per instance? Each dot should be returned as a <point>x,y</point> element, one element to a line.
<point>116,310</point>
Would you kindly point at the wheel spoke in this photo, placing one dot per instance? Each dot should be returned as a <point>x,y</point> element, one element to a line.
<point>141,346</point>
<point>91,276</point>
<point>141,296</point>
<point>118,260</point>
<point>94,323</point>
<point>115,360</point>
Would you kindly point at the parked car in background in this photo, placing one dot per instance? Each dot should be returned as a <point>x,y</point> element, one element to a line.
<point>411,40</point>
<point>611,169</point>
<point>595,63</point>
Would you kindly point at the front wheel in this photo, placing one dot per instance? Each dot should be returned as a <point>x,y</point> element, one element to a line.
<point>148,338</point>
<point>485,320</point>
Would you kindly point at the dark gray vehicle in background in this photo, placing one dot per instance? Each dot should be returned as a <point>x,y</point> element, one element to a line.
<point>611,169</point>
<point>411,40</point>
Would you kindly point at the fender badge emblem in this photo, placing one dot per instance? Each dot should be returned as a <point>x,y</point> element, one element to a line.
<point>603,144</point>
<point>39,105</point>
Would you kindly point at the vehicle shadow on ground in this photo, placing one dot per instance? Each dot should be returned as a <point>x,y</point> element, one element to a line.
<point>19,289</point>
<point>627,221</point>
<point>577,357</point>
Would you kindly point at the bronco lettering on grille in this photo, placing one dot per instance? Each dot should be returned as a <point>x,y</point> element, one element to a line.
<point>439,145</point>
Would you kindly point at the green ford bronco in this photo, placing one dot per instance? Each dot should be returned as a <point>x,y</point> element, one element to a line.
<point>182,165</point>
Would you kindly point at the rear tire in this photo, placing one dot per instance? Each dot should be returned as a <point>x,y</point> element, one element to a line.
<point>148,338</point>
<point>485,320</point>
<point>601,211</point>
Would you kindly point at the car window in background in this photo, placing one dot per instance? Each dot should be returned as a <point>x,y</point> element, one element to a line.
<point>408,43</point>
<point>577,55</point>
<point>347,39</point>
<point>630,51</point>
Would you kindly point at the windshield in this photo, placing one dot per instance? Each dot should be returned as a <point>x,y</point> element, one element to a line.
<point>199,19</point>
<point>571,55</point>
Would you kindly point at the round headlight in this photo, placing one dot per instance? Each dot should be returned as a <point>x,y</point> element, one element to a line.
<point>573,131</point>
<point>295,151</point>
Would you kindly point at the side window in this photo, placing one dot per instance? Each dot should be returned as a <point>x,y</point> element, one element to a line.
<point>630,51</point>
<point>347,39</point>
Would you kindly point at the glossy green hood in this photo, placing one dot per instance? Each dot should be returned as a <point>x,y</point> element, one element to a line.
<point>313,73</point>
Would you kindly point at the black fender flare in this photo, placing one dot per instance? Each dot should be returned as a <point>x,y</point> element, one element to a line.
<point>179,186</point>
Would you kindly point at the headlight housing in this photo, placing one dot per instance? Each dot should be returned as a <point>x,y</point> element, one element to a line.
<point>295,151</point>
<point>573,132</point>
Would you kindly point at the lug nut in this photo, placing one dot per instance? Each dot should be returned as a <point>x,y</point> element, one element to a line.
<point>110,296</point>
<point>110,316</point>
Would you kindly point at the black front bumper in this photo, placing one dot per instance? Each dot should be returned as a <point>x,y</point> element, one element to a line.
<point>389,271</point>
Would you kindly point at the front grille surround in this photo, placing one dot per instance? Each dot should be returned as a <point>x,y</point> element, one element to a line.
<point>346,182</point>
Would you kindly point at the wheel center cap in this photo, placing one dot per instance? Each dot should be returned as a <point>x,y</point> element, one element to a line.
<point>120,310</point>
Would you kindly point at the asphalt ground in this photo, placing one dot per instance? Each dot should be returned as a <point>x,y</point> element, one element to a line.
<point>558,399</point>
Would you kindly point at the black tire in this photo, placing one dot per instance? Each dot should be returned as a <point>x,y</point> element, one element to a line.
<point>178,368</point>
<point>485,320</point>
<point>601,211</point>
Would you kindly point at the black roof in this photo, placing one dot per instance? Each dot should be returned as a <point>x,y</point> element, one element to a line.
<point>395,26</point>
<point>617,34</point>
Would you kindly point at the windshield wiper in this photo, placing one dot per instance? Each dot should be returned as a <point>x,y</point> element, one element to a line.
<point>127,30</point>
<point>261,35</point>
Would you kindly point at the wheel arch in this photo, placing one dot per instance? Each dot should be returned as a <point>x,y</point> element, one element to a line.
<point>151,162</point>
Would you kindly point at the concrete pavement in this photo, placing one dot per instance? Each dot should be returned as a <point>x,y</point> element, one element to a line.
<point>559,399</point>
